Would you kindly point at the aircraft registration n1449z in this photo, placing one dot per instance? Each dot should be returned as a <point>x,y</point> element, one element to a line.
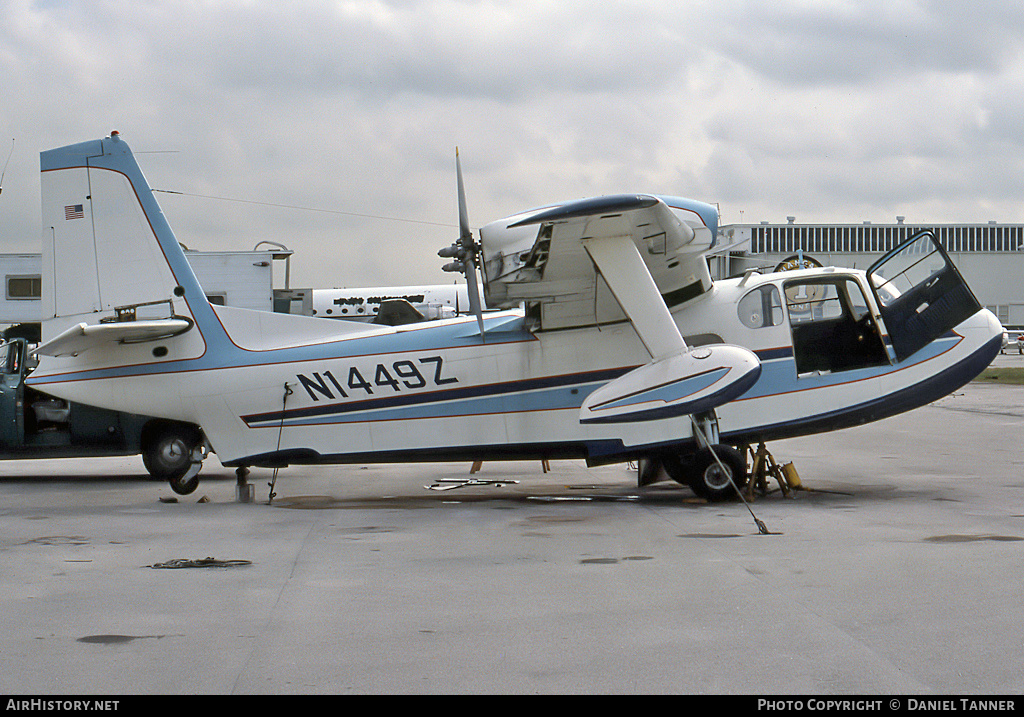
<point>610,341</point>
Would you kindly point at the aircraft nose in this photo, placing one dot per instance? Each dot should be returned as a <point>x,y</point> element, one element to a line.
<point>988,322</point>
<point>984,332</point>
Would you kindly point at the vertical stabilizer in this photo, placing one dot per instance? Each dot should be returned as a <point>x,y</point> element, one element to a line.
<point>106,244</point>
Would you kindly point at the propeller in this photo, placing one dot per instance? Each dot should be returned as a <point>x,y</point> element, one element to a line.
<point>465,251</point>
<point>5,167</point>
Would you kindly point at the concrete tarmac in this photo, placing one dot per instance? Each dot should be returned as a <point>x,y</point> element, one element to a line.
<point>896,571</point>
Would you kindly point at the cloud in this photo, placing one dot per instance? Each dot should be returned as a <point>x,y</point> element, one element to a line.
<point>833,110</point>
<point>814,43</point>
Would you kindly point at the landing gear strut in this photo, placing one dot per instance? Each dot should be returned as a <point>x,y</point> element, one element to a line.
<point>716,472</point>
<point>704,475</point>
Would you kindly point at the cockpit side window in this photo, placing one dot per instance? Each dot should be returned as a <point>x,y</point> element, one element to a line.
<point>761,308</point>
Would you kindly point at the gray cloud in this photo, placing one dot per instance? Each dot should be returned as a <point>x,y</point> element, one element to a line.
<point>835,110</point>
<point>853,43</point>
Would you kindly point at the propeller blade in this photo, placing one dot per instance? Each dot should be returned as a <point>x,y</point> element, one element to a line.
<point>469,246</point>
<point>474,293</point>
<point>464,232</point>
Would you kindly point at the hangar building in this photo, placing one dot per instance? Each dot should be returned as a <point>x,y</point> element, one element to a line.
<point>989,256</point>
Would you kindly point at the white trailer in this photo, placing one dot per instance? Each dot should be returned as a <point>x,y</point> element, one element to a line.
<point>244,279</point>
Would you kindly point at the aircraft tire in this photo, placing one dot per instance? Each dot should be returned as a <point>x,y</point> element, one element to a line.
<point>167,455</point>
<point>704,476</point>
<point>184,487</point>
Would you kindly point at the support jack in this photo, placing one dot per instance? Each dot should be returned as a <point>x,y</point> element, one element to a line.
<point>244,491</point>
<point>763,466</point>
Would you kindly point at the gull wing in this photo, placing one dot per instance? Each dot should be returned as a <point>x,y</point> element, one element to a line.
<point>645,255</point>
<point>564,260</point>
<point>595,260</point>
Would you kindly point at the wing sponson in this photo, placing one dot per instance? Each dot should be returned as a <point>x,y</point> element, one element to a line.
<point>680,385</point>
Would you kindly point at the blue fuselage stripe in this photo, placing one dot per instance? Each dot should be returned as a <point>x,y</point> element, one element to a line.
<point>545,393</point>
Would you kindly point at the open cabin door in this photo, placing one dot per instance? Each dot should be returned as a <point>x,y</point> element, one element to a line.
<point>920,294</point>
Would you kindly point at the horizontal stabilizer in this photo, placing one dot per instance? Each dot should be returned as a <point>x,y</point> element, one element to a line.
<point>82,337</point>
<point>685,383</point>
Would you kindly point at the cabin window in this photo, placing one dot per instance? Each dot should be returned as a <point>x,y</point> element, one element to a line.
<point>761,308</point>
<point>24,287</point>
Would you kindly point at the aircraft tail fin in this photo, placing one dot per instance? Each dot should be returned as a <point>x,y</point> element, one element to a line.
<point>109,256</point>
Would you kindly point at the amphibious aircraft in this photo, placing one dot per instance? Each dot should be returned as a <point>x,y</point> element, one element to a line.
<point>611,342</point>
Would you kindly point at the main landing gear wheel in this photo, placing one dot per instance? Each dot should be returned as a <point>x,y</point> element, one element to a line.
<point>168,456</point>
<point>705,477</point>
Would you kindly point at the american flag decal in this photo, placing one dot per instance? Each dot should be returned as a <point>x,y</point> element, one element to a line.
<point>76,211</point>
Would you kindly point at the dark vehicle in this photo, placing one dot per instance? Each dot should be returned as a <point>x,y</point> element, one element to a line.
<point>34,425</point>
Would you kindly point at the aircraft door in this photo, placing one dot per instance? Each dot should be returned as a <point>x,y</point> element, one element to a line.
<point>832,326</point>
<point>920,294</point>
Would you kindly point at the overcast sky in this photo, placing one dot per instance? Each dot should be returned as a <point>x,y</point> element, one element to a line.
<point>821,109</point>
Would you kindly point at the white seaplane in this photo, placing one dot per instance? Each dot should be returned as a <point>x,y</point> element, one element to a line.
<point>611,342</point>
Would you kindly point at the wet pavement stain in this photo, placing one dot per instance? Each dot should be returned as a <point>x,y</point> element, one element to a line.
<point>116,639</point>
<point>498,500</point>
<point>179,563</point>
<point>552,519</point>
<point>972,538</point>
<point>369,530</point>
<point>328,502</point>
<point>58,540</point>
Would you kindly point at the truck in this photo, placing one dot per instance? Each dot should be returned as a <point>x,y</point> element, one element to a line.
<point>34,425</point>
